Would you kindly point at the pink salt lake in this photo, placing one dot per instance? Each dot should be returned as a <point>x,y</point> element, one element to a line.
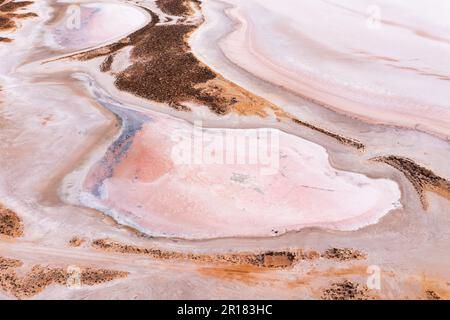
<point>154,191</point>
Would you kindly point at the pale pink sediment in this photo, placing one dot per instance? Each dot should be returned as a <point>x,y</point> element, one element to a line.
<point>162,197</point>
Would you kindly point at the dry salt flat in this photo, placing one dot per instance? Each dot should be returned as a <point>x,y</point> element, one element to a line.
<point>107,175</point>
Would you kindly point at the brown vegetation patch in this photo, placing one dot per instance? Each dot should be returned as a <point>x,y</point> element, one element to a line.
<point>22,15</point>
<point>343,254</point>
<point>432,295</point>
<point>14,6</point>
<point>421,178</point>
<point>106,64</point>
<point>269,259</point>
<point>174,7</point>
<point>6,263</point>
<point>10,223</point>
<point>346,141</point>
<point>165,70</point>
<point>345,290</point>
<point>8,14</point>
<point>76,241</point>
<point>41,277</point>
<point>6,23</point>
<point>92,276</point>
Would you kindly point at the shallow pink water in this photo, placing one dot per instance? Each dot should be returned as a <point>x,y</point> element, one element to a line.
<point>294,186</point>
